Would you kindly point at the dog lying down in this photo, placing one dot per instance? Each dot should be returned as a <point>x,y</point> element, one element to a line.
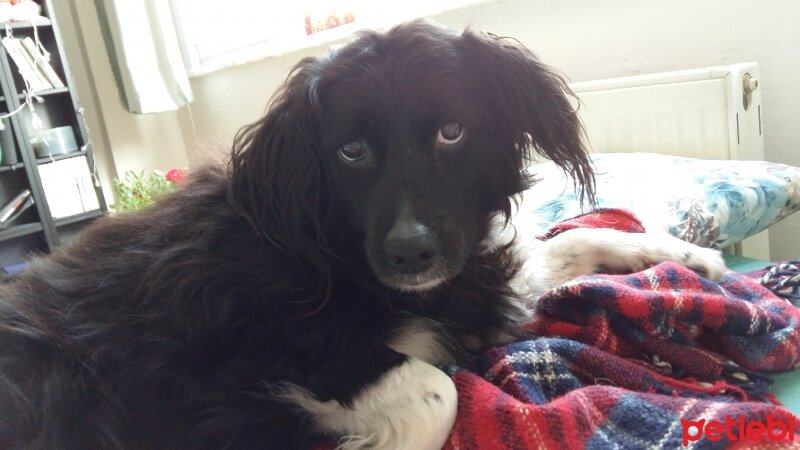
<point>357,239</point>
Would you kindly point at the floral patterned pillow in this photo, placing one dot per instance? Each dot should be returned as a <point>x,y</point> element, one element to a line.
<point>707,202</point>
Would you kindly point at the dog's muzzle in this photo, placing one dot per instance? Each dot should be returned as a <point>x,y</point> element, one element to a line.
<point>410,247</point>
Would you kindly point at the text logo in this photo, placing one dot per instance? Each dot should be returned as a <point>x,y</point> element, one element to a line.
<point>774,429</point>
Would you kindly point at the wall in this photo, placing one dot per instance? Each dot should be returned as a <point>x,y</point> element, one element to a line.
<point>585,39</point>
<point>139,142</point>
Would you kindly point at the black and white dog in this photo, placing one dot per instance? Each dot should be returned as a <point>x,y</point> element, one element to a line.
<point>357,239</point>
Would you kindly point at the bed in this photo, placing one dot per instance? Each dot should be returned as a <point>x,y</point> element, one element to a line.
<point>684,151</point>
<point>632,361</point>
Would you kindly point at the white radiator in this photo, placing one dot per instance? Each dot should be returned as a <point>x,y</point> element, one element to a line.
<point>709,113</point>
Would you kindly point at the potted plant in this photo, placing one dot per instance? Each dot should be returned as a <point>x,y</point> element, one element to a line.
<point>139,189</point>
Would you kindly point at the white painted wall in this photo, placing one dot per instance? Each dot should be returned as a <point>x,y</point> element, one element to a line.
<point>586,39</point>
<point>139,142</point>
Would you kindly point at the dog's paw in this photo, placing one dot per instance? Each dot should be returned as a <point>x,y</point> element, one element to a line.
<point>659,247</point>
<point>412,407</point>
<point>585,251</point>
<point>706,262</point>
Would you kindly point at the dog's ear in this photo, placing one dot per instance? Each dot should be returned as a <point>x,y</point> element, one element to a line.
<point>276,173</point>
<point>531,103</point>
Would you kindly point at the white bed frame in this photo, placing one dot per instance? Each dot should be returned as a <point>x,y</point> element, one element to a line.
<point>709,113</point>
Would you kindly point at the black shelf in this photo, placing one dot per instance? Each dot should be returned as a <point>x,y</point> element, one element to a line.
<point>37,231</point>
<point>25,24</point>
<point>15,231</point>
<point>79,217</point>
<point>48,159</point>
<point>46,92</point>
<point>11,167</point>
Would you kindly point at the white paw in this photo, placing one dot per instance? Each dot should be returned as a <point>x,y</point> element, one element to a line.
<point>705,261</point>
<point>412,407</point>
<point>659,247</point>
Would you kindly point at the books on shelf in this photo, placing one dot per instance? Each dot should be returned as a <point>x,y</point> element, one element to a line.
<point>15,208</point>
<point>32,65</point>
<point>42,63</point>
<point>69,187</point>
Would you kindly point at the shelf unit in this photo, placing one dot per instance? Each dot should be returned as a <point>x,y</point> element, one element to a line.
<point>36,231</point>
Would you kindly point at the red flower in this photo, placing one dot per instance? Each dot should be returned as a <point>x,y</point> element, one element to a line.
<point>175,175</point>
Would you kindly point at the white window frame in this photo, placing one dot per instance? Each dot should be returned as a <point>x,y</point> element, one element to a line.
<point>201,60</point>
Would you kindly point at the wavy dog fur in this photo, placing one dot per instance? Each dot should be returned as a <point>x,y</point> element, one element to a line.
<point>173,327</point>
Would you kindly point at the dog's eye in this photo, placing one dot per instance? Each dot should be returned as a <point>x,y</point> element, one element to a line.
<point>352,151</point>
<point>450,133</point>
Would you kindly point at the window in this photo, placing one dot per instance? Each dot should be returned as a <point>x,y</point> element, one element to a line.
<point>217,35</point>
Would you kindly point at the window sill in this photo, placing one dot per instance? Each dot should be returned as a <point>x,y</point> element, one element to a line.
<point>280,47</point>
<point>275,48</point>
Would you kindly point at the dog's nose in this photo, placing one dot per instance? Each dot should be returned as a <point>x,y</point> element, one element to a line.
<point>410,247</point>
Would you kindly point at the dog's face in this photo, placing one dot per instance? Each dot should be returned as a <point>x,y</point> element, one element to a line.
<point>411,155</point>
<point>403,143</point>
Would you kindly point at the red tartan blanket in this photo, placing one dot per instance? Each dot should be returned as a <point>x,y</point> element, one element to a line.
<point>658,359</point>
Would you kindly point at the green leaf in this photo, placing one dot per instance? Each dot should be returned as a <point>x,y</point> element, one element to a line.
<point>137,189</point>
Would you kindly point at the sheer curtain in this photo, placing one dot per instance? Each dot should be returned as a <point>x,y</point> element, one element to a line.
<point>145,54</point>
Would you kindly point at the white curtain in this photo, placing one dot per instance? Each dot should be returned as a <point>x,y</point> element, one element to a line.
<point>145,55</point>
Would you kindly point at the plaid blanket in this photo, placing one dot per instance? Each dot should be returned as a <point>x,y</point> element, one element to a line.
<point>661,359</point>
<point>782,279</point>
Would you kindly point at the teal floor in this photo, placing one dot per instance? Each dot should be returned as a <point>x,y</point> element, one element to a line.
<point>787,385</point>
<point>787,388</point>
